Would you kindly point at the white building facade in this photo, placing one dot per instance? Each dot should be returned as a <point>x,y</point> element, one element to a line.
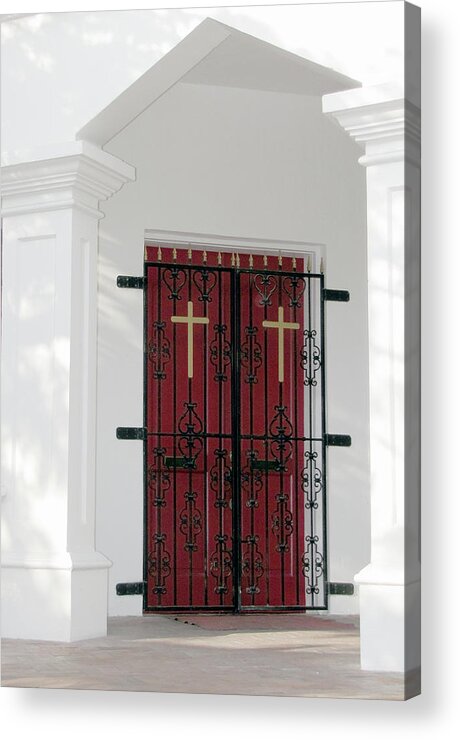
<point>231,142</point>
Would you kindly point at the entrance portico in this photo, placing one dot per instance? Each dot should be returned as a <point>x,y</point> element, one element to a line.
<point>173,169</point>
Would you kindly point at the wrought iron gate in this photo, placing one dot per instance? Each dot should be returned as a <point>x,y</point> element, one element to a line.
<point>235,442</point>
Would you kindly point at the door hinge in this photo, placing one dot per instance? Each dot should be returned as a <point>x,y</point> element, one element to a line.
<point>341,589</point>
<point>337,440</point>
<point>130,589</point>
<point>129,281</point>
<point>131,432</point>
<point>336,295</point>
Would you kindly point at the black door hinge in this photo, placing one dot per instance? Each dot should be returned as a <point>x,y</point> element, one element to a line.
<point>336,295</point>
<point>130,589</point>
<point>341,589</point>
<point>337,440</point>
<point>131,433</point>
<point>129,281</point>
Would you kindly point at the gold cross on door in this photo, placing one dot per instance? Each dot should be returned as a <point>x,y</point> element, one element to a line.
<point>281,325</point>
<point>190,320</point>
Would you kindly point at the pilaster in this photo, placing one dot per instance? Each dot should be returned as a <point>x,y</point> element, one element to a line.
<point>54,582</point>
<point>387,127</point>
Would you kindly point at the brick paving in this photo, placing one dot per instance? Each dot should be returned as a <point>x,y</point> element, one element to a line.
<point>260,655</point>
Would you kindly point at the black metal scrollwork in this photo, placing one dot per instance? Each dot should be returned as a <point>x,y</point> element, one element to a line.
<point>220,352</point>
<point>220,479</point>
<point>158,478</point>
<point>159,563</point>
<point>221,564</point>
<point>280,445</point>
<point>281,451</point>
<point>252,564</point>
<point>265,284</point>
<point>282,522</point>
<point>190,422</point>
<point>252,481</point>
<point>159,350</point>
<point>190,448</point>
<point>312,564</point>
<point>251,354</point>
<point>190,521</point>
<point>190,444</point>
<point>205,281</point>
<point>174,279</point>
<point>294,286</point>
<point>280,426</point>
<point>310,355</point>
<point>311,477</point>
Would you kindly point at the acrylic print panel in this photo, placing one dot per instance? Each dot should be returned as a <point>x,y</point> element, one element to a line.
<point>210,350</point>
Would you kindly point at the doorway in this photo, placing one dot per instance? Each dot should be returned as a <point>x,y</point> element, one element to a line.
<point>234,450</point>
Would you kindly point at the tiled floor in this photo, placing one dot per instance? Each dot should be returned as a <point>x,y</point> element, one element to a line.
<point>269,656</point>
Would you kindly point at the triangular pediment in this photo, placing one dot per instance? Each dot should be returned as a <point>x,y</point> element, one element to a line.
<point>216,54</point>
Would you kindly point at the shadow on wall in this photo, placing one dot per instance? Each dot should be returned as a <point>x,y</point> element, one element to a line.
<point>119,472</point>
<point>117,312</point>
<point>35,400</point>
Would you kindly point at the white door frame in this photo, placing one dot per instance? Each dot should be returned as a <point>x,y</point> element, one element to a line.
<point>249,245</point>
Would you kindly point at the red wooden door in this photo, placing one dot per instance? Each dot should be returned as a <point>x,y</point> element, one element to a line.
<point>234,510</point>
<point>272,425</point>
<point>189,435</point>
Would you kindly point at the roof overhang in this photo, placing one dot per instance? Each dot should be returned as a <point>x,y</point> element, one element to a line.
<point>216,54</point>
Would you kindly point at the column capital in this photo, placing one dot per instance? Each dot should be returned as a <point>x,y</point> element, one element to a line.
<point>72,175</point>
<point>381,120</point>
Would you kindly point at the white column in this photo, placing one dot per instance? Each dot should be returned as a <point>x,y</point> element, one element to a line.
<point>388,128</point>
<point>54,583</point>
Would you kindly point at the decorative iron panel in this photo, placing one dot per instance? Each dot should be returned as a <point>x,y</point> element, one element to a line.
<point>235,503</point>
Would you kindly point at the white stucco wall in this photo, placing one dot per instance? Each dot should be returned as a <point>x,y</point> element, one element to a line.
<point>245,164</point>
<point>229,162</point>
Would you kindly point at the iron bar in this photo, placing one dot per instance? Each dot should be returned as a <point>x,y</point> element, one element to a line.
<point>236,475</point>
<point>323,430</point>
<point>144,446</point>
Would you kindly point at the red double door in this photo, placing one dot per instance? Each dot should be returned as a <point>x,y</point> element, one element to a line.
<point>234,459</point>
